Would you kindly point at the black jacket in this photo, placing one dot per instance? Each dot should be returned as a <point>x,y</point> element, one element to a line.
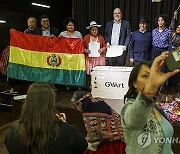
<point>53,30</point>
<point>69,141</point>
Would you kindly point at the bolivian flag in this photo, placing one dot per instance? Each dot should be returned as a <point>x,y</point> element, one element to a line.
<point>40,58</point>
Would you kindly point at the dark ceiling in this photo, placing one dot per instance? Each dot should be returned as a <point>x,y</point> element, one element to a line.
<point>25,5</point>
<point>16,12</point>
<point>59,8</point>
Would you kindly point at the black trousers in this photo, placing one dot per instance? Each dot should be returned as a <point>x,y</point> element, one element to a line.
<point>156,52</point>
<point>117,61</point>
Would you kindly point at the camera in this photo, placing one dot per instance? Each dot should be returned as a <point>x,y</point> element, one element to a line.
<point>173,60</point>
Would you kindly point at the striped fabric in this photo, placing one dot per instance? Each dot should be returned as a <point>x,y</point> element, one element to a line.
<point>4,61</point>
<point>45,59</point>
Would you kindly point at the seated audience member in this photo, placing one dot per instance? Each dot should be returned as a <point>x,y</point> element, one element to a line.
<point>142,119</point>
<point>70,31</point>
<point>46,29</point>
<point>102,123</point>
<point>32,22</point>
<point>141,42</point>
<point>94,38</point>
<point>40,130</point>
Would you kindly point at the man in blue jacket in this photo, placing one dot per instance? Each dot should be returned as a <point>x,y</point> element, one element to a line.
<point>141,42</point>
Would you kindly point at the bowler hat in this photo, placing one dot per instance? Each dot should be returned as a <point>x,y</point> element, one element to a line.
<point>143,19</point>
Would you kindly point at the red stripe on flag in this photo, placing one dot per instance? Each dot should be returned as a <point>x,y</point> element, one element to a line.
<point>46,44</point>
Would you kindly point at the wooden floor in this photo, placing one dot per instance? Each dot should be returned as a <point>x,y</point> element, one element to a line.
<point>6,115</point>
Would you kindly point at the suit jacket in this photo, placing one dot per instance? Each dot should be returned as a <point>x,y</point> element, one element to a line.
<point>53,30</point>
<point>140,45</point>
<point>125,32</point>
<point>30,31</point>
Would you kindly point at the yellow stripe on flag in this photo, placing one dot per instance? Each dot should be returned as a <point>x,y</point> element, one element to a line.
<point>45,59</point>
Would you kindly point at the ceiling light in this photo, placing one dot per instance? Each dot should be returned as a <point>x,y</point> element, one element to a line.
<point>2,21</point>
<point>41,5</point>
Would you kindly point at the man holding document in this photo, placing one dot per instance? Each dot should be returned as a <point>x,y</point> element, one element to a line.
<point>95,48</point>
<point>117,36</point>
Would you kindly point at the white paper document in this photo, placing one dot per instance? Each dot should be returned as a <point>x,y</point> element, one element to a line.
<point>115,50</point>
<point>94,47</point>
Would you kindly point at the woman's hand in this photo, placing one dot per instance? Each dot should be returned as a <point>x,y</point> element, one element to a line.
<point>157,77</point>
<point>107,45</point>
<point>87,51</point>
<point>78,106</point>
<point>52,35</point>
<point>102,50</point>
<point>60,36</point>
<point>132,60</point>
<point>61,116</point>
<point>175,14</point>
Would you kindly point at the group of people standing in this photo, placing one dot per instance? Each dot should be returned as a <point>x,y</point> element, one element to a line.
<point>41,130</point>
<point>142,43</point>
<point>146,45</point>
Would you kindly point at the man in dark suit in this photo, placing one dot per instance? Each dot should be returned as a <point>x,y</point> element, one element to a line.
<point>118,32</point>
<point>46,29</point>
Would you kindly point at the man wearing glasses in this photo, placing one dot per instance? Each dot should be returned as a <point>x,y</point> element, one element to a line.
<point>46,29</point>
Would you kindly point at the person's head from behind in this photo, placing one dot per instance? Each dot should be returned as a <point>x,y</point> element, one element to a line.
<point>69,24</point>
<point>44,20</point>
<point>40,98</point>
<point>138,78</point>
<point>32,22</point>
<point>117,14</point>
<point>37,118</point>
<point>143,23</point>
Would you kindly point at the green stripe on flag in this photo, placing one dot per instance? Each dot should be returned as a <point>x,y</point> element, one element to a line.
<point>55,76</point>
